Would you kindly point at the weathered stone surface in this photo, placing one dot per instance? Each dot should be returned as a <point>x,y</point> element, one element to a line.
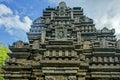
<point>64,45</point>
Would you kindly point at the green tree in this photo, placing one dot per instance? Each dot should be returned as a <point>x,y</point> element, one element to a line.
<point>3,56</point>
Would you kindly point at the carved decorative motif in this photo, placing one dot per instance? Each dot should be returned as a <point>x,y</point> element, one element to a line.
<point>49,78</point>
<point>36,44</point>
<point>72,78</point>
<point>60,33</point>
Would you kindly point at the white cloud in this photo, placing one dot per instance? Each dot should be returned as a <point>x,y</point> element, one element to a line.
<point>110,22</point>
<point>105,13</point>
<point>110,18</point>
<point>4,10</point>
<point>12,21</point>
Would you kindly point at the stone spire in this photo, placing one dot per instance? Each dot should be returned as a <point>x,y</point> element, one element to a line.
<point>62,8</point>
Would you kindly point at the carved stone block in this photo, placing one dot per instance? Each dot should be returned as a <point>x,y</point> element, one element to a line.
<point>72,78</point>
<point>49,78</point>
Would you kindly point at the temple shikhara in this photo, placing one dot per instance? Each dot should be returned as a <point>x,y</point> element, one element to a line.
<point>64,44</point>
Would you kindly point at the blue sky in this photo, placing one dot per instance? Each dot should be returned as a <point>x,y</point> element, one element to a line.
<point>16,16</point>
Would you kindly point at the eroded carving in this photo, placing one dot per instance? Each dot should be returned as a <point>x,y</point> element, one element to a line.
<point>49,78</point>
<point>72,78</point>
<point>36,44</point>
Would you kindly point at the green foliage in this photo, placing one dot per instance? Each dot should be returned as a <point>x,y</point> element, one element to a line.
<point>1,78</point>
<point>3,56</point>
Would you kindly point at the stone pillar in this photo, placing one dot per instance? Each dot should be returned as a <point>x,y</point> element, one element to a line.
<point>47,53</point>
<point>52,15</point>
<point>94,59</point>
<point>43,33</point>
<point>116,59</point>
<point>105,59</point>
<point>79,37</point>
<point>53,53</point>
<point>66,53</point>
<point>72,14</point>
<point>100,59</point>
<point>110,59</point>
<point>72,53</point>
<point>60,52</point>
<point>87,60</point>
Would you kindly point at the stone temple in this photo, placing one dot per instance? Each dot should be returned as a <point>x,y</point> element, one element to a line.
<point>64,44</point>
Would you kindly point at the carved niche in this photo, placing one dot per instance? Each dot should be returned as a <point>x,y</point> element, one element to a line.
<point>36,44</point>
<point>86,45</point>
<point>103,43</point>
<point>47,21</point>
<point>60,32</point>
<point>37,57</point>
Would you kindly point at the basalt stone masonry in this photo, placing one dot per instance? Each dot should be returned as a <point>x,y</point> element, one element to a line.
<point>64,44</point>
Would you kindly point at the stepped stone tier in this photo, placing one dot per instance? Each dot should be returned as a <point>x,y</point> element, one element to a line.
<point>64,44</point>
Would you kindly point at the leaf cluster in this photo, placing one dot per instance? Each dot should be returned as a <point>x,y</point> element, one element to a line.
<point>3,56</point>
